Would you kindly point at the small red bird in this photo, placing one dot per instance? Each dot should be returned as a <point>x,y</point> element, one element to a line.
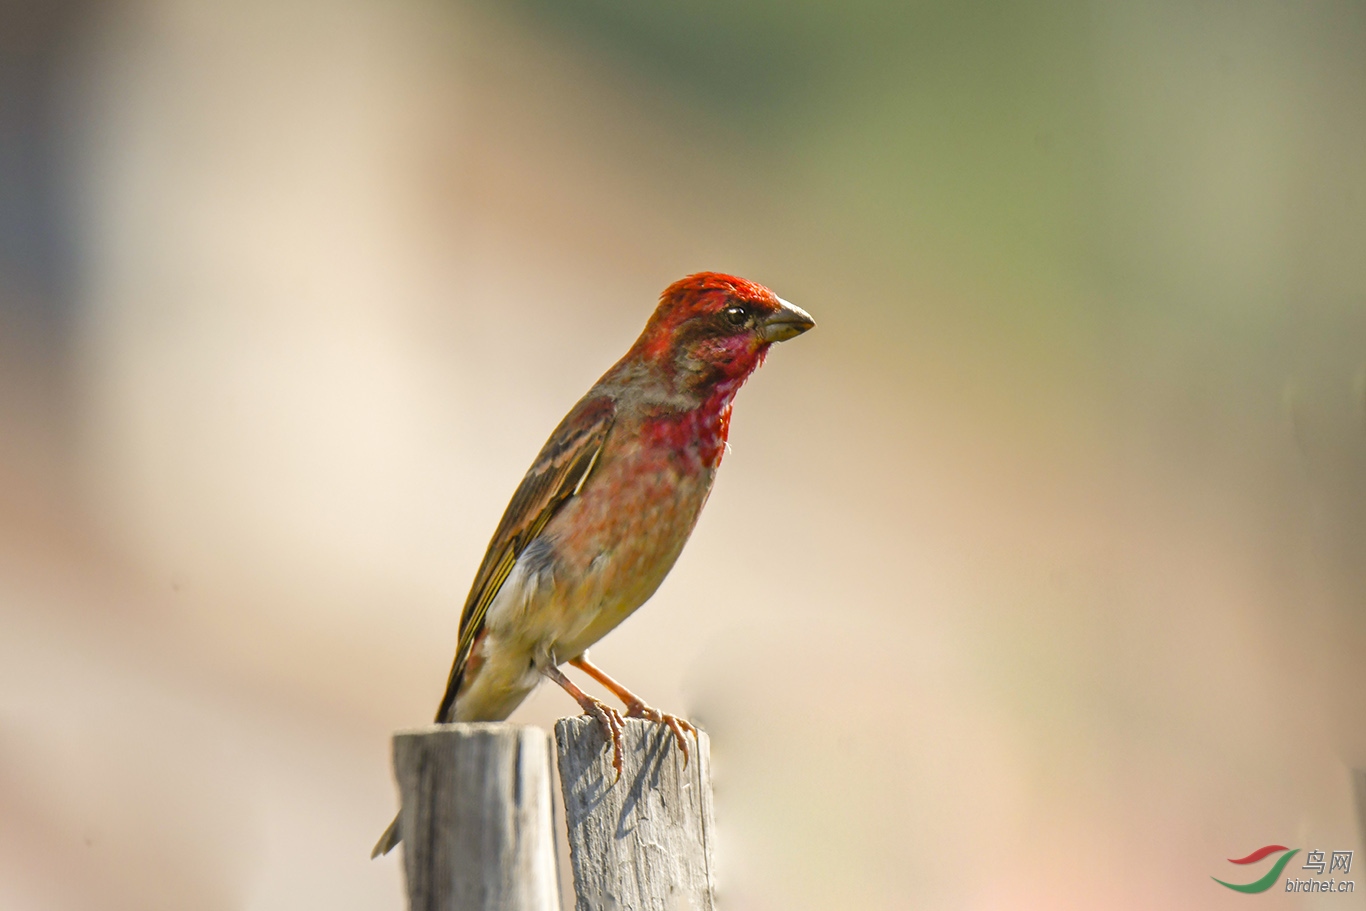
<point>607,506</point>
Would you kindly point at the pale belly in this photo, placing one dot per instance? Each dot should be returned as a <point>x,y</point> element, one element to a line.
<point>601,557</point>
<point>612,552</point>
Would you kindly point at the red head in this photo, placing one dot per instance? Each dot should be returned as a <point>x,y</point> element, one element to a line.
<point>711,327</point>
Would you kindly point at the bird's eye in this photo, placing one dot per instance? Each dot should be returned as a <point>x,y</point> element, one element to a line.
<point>735,315</point>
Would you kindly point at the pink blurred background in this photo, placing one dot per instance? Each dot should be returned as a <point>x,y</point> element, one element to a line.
<point>1060,514</point>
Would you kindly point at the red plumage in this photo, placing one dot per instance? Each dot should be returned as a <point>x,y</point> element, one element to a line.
<point>605,510</point>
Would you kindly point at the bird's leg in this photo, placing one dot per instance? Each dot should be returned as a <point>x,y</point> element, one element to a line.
<point>608,718</point>
<point>636,707</point>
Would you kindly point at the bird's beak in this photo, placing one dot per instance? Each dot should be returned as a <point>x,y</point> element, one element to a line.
<point>788,322</point>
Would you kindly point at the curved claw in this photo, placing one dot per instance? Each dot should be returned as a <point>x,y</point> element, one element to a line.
<point>609,720</point>
<point>672,722</point>
<point>635,706</point>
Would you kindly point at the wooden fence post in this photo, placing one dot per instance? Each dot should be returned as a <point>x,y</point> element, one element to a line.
<point>477,818</point>
<point>643,843</point>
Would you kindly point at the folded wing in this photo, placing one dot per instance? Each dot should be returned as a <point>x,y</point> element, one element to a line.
<point>559,472</point>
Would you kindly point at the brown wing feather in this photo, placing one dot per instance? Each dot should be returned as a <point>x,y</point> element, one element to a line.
<point>558,473</point>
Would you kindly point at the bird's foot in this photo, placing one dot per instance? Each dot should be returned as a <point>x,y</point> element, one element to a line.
<point>635,706</point>
<point>609,720</point>
<point>638,709</point>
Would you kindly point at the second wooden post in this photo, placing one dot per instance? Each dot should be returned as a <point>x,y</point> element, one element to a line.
<point>644,842</point>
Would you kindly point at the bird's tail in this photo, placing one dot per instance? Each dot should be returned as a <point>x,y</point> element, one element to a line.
<point>388,841</point>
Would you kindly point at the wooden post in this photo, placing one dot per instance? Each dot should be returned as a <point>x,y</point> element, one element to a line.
<point>477,818</point>
<point>645,842</point>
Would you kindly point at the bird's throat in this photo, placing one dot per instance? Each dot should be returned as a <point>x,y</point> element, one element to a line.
<point>697,435</point>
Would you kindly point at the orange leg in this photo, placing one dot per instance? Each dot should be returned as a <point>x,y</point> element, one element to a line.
<point>608,718</point>
<point>636,707</point>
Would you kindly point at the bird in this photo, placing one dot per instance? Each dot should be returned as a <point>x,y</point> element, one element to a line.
<point>608,504</point>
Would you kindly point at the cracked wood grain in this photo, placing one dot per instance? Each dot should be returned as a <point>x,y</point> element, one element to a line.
<point>643,843</point>
<point>477,818</point>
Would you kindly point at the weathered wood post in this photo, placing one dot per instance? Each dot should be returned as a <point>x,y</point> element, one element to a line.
<point>645,842</point>
<point>477,818</point>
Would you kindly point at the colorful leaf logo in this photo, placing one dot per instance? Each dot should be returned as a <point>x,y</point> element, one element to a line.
<point>1267,881</point>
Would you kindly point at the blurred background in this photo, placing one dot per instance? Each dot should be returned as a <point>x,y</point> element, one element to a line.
<point>1066,495</point>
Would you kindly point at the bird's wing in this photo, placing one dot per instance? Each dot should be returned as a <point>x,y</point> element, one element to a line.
<point>559,472</point>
